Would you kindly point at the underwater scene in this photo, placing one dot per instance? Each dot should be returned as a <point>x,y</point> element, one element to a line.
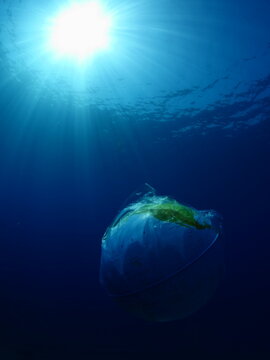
<point>134,179</point>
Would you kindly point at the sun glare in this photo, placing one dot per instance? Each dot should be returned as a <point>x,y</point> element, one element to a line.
<point>80,30</point>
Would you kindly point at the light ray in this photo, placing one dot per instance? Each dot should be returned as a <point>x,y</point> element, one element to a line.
<point>80,30</point>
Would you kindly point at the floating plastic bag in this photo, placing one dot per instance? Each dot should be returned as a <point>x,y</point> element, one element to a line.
<point>160,259</point>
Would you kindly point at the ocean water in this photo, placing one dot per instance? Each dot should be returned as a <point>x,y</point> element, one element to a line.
<point>181,101</point>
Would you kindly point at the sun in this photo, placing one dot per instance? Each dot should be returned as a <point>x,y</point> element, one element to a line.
<point>80,30</point>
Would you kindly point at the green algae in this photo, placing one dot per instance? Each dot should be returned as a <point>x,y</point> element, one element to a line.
<point>167,210</point>
<point>174,212</point>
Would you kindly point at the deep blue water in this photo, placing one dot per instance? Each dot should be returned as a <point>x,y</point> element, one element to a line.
<point>186,108</point>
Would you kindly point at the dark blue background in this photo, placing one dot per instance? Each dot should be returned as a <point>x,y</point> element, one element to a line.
<point>51,230</point>
<point>58,195</point>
